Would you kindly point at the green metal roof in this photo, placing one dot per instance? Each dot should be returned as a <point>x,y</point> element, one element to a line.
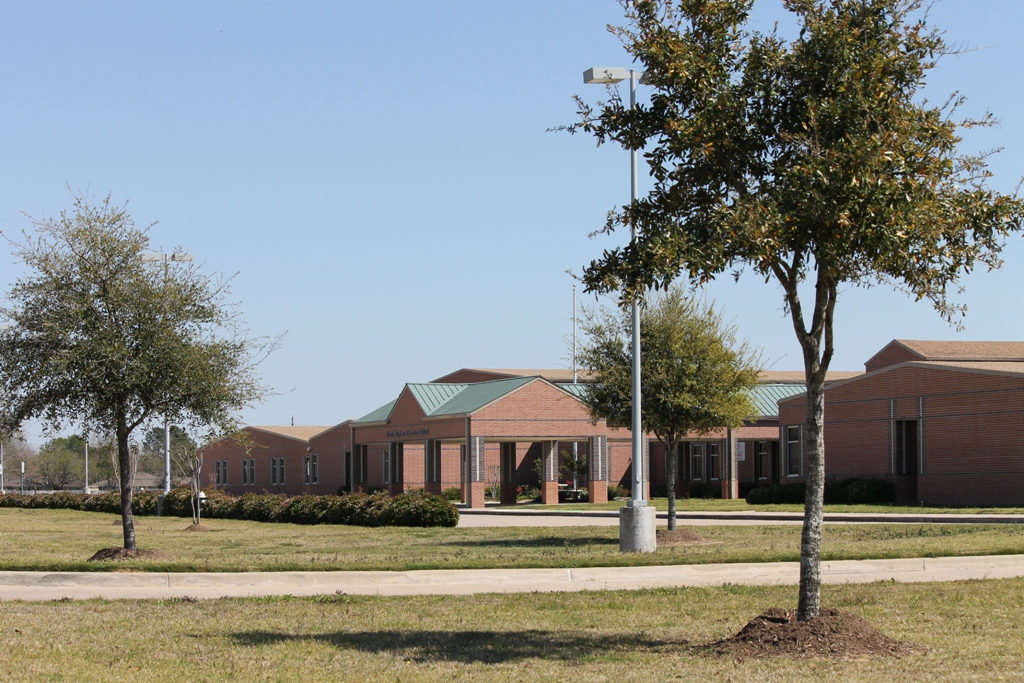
<point>475,396</point>
<point>574,389</point>
<point>380,414</point>
<point>766,397</point>
<point>432,396</point>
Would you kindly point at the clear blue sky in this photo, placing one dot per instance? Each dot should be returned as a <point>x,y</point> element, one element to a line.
<point>381,178</point>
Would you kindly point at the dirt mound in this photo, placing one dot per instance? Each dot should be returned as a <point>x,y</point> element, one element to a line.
<point>777,633</point>
<point>122,554</point>
<point>197,527</point>
<point>678,537</point>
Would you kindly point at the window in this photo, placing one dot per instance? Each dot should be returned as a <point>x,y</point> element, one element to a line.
<point>387,465</point>
<point>305,470</point>
<point>245,472</point>
<point>762,460</point>
<point>273,471</point>
<point>794,452</point>
<point>714,461</point>
<point>697,460</point>
<point>361,462</point>
<point>906,446</point>
<point>221,467</point>
<point>315,468</point>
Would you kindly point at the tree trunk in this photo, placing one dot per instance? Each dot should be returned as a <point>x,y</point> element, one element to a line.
<point>817,345</point>
<point>124,466</point>
<point>670,476</point>
<point>814,477</point>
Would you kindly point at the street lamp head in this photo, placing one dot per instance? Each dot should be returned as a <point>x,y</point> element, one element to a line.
<point>150,258</point>
<point>605,74</point>
<point>181,256</point>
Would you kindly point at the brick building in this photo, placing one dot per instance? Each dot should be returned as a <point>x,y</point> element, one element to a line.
<point>287,459</point>
<point>944,421</point>
<point>476,427</point>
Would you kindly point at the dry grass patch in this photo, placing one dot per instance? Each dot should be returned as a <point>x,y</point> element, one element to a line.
<point>968,631</point>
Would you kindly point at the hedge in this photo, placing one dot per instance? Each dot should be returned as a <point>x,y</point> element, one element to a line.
<point>413,508</point>
<point>841,492</point>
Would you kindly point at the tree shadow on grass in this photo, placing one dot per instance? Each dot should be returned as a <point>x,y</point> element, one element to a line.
<point>546,542</point>
<point>469,647</point>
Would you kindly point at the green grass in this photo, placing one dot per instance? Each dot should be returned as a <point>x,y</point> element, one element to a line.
<point>56,540</point>
<point>716,505</point>
<point>971,631</point>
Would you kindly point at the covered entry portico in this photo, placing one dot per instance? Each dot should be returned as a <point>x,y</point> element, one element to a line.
<point>435,436</point>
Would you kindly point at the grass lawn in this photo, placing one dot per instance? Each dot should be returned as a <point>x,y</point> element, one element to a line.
<point>971,630</point>
<point>63,540</point>
<point>716,505</point>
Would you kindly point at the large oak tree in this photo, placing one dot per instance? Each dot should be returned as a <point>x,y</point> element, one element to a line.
<point>814,161</point>
<point>99,340</point>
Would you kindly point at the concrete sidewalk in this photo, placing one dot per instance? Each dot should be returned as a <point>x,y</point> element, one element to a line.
<point>525,516</point>
<point>83,585</point>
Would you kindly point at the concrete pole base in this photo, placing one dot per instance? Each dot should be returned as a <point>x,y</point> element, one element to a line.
<point>637,529</point>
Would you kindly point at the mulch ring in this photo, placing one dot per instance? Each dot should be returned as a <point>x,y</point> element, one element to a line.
<point>197,527</point>
<point>122,554</point>
<point>680,537</point>
<point>777,633</point>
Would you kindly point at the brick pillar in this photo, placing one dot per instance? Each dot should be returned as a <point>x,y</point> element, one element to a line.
<point>549,483</point>
<point>597,464</point>
<point>474,475</point>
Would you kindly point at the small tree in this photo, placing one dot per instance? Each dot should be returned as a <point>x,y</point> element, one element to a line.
<point>189,462</point>
<point>696,379</point>
<point>98,339</point>
<point>813,161</point>
<point>61,461</point>
<point>573,466</point>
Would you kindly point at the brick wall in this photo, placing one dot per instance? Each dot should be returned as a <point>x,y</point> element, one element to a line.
<point>971,432</point>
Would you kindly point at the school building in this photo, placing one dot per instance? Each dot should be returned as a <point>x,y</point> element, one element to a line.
<point>478,427</point>
<point>943,421</point>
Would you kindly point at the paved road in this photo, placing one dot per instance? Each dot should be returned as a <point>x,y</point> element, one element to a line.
<point>56,585</point>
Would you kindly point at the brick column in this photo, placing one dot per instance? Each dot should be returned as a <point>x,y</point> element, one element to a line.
<point>597,464</point>
<point>549,483</point>
<point>475,472</point>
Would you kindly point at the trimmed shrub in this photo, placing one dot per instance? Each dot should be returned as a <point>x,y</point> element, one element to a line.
<point>617,492</point>
<point>257,507</point>
<point>453,494</point>
<point>412,508</point>
<point>778,494</point>
<point>860,492</point>
<point>109,502</point>
<point>700,489</point>
<point>840,492</point>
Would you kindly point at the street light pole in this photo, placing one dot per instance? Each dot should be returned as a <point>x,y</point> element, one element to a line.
<point>638,533</point>
<point>176,256</point>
